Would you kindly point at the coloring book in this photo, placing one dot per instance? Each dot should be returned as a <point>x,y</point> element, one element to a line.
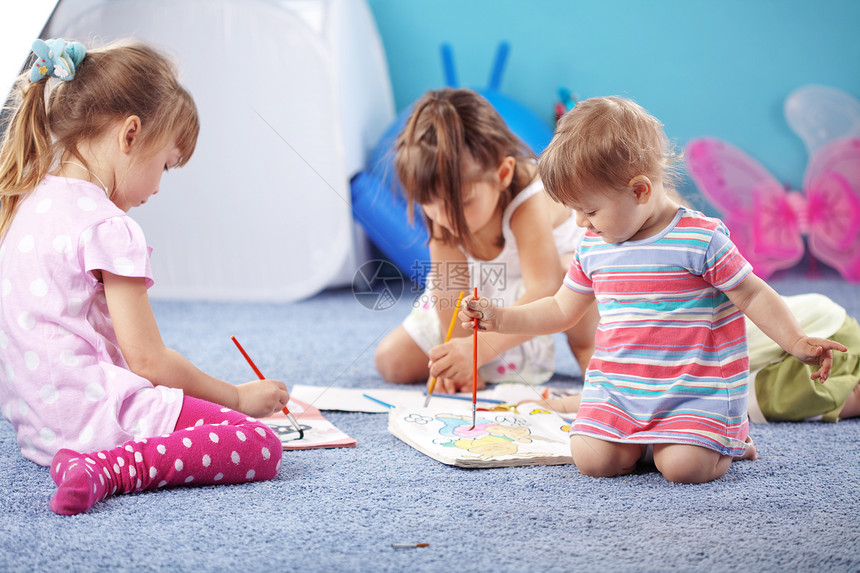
<point>530,436</point>
<point>318,432</point>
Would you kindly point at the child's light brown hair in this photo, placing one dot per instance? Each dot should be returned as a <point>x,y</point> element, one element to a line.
<point>452,139</point>
<point>111,84</point>
<point>605,142</point>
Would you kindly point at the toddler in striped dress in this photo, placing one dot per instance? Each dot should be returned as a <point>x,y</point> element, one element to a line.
<point>670,368</point>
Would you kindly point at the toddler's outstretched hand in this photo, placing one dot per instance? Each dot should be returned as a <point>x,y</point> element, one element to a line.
<point>565,405</point>
<point>488,315</point>
<point>817,352</point>
<point>262,398</point>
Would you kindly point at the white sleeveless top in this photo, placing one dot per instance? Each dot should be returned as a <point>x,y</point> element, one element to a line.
<point>500,279</point>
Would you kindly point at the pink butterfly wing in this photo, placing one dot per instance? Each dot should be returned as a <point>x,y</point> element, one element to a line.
<point>832,186</point>
<point>754,205</point>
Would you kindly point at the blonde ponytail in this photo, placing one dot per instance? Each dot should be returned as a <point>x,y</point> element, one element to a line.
<point>26,154</point>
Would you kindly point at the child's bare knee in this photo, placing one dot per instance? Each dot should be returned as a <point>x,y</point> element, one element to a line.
<point>598,468</point>
<point>396,365</point>
<point>379,360</point>
<point>389,369</point>
<point>595,458</point>
<point>685,474</point>
<point>690,464</point>
<point>399,359</point>
<point>386,363</point>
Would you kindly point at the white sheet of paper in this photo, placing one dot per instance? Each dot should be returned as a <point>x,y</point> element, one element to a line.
<point>356,399</point>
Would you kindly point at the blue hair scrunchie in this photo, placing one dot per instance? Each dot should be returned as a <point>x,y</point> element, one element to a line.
<point>57,59</point>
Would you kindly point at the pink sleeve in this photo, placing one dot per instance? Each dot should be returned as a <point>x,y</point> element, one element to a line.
<point>118,246</point>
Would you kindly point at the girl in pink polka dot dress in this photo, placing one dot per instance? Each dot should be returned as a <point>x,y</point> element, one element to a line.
<point>86,380</point>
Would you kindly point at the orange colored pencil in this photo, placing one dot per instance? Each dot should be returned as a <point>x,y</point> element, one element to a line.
<point>261,377</point>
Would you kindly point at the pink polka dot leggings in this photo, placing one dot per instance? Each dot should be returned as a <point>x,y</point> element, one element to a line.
<point>216,446</point>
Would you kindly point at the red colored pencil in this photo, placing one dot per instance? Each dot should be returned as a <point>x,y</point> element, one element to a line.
<point>475,368</point>
<point>261,377</point>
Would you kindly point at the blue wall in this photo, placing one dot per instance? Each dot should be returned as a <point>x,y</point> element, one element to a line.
<point>720,68</point>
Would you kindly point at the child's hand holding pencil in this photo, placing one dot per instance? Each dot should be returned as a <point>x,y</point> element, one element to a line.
<point>282,398</point>
<point>445,358</point>
<point>453,363</point>
<point>262,398</point>
<point>475,307</point>
<point>432,384</point>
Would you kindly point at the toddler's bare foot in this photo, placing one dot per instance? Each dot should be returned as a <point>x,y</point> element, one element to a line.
<point>750,454</point>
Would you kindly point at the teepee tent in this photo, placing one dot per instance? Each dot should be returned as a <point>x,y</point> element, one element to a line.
<point>292,95</point>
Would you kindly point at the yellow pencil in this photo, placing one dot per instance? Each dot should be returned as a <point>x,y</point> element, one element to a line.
<point>447,338</point>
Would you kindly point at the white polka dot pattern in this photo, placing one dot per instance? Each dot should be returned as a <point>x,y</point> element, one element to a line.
<point>86,435</point>
<point>87,204</point>
<point>74,306</point>
<point>47,436</point>
<point>26,320</point>
<point>62,244</point>
<point>94,392</point>
<point>39,288</point>
<point>31,360</point>
<point>27,243</point>
<point>123,266</point>
<point>68,357</point>
<point>48,394</point>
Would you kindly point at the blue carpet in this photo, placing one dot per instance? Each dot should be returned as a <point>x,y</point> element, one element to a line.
<point>796,508</point>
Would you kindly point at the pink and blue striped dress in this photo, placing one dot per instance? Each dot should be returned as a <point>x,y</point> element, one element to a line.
<point>670,362</point>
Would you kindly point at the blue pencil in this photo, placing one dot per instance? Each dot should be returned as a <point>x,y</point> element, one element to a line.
<point>378,401</point>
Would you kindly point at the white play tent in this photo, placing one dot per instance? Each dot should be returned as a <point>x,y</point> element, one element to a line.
<point>292,94</point>
<point>20,24</point>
